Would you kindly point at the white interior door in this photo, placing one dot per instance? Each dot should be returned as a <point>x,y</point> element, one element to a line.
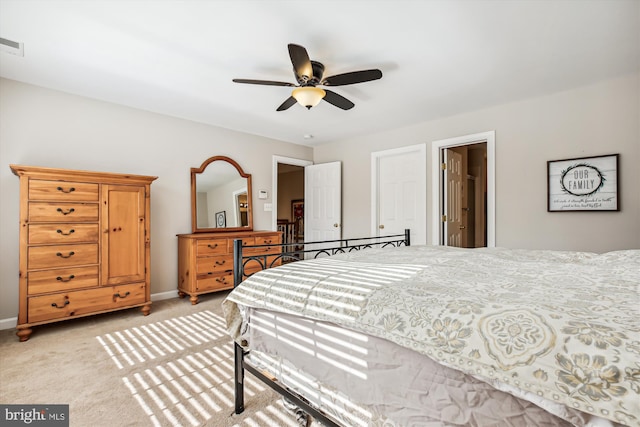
<point>399,195</point>
<point>323,202</point>
<point>453,198</point>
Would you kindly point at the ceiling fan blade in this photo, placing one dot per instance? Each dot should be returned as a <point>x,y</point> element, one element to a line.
<point>338,100</point>
<point>263,82</point>
<point>300,60</point>
<point>352,78</point>
<point>286,104</point>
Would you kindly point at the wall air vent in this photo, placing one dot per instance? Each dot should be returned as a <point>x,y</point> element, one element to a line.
<point>9,46</point>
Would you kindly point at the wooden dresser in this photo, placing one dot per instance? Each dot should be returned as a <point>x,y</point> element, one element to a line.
<point>205,260</point>
<point>84,244</point>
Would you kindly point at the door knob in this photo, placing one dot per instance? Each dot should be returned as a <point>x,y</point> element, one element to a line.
<point>462,227</point>
<point>381,226</point>
<point>336,225</point>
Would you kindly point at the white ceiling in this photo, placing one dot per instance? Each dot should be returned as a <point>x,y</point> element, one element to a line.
<point>439,58</point>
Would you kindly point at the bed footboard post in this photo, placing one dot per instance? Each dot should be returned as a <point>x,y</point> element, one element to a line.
<point>237,262</point>
<point>239,377</point>
<point>407,237</point>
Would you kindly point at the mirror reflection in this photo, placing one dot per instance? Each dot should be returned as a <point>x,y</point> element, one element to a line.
<point>221,194</point>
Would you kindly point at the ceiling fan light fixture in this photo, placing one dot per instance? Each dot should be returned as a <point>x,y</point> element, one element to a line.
<point>308,96</point>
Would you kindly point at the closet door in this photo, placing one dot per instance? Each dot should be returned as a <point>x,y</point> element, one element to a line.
<point>398,192</point>
<point>123,234</point>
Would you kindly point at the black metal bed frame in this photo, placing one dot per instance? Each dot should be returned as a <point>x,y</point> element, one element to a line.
<point>294,252</point>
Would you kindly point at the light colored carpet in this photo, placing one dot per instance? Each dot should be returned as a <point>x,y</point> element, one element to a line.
<point>171,368</point>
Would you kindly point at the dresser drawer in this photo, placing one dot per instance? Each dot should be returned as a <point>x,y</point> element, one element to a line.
<point>62,279</point>
<point>62,190</point>
<point>59,256</point>
<point>245,241</point>
<point>62,212</point>
<point>214,264</point>
<point>268,240</point>
<point>214,282</point>
<point>76,303</point>
<point>260,263</point>
<point>62,233</point>
<point>211,247</point>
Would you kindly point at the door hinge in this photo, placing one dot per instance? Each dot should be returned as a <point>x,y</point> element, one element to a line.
<point>444,218</point>
<point>444,166</point>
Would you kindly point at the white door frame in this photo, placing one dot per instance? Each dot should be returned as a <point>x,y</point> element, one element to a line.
<point>420,236</point>
<point>436,182</point>
<point>274,183</point>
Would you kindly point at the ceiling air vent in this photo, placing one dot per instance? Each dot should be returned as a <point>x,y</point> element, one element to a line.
<point>11,47</point>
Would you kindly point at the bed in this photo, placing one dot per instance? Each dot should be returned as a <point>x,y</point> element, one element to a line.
<point>429,335</point>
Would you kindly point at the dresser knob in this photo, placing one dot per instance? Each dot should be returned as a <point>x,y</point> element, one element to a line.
<point>65,256</point>
<point>117,295</point>
<point>66,234</point>
<point>65,280</point>
<point>67,212</point>
<point>71,190</point>
<point>66,302</point>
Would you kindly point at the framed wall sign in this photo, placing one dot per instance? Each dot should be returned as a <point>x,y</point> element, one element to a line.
<point>583,184</point>
<point>221,219</point>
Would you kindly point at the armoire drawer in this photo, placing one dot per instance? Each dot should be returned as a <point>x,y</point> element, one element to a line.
<point>62,190</point>
<point>62,279</point>
<point>63,212</point>
<point>211,247</point>
<point>59,256</point>
<point>76,303</point>
<point>62,233</point>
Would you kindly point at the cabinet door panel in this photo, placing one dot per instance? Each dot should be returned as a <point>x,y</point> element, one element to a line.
<point>123,234</point>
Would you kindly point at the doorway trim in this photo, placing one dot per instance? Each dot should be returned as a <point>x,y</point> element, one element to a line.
<point>437,148</point>
<point>274,183</point>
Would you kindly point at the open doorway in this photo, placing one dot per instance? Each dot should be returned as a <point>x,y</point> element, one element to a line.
<point>290,203</point>
<point>475,182</point>
<point>465,196</point>
<point>288,197</point>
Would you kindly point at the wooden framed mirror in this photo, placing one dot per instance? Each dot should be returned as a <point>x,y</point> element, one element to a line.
<point>220,197</point>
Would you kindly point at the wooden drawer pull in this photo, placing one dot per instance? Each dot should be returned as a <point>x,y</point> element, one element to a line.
<point>222,279</point>
<point>212,246</point>
<point>220,262</point>
<point>66,302</point>
<point>117,295</point>
<point>66,234</point>
<point>65,256</point>
<point>65,280</point>
<point>67,212</point>
<point>70,190</point>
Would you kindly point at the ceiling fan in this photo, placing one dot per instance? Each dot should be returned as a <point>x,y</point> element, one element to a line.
<point>309,75</point>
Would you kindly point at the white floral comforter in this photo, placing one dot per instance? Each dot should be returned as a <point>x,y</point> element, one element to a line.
<point>562,325</point>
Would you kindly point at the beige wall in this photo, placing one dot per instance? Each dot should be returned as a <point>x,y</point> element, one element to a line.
<point>42,127</point>
<point>593,120</point>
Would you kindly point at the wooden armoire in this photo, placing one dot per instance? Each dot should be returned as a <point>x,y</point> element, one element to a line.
<point>84,244</point>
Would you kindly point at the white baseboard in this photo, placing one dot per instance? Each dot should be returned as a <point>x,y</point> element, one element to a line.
<point>164,295</point>
<point>11,322</point>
